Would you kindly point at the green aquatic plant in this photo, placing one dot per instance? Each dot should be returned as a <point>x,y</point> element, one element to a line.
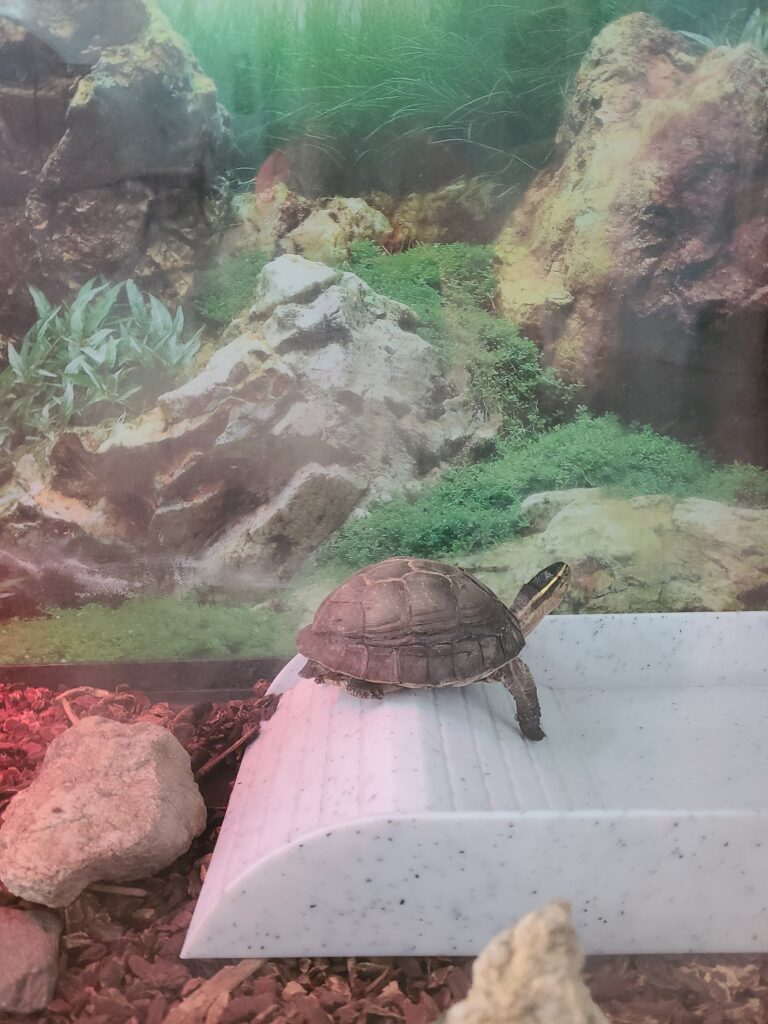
<point>225,289</point>
<point>356,79</point>
<point>109,350</point>
<point>149,629</point>
<point>754,32</point>
<point>474,506</point>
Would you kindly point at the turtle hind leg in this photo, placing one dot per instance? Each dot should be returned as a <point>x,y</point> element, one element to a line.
<point>360,688</point>
<point>517,679</point>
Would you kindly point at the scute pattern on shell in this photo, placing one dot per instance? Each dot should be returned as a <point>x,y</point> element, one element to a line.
<point>412,622</point>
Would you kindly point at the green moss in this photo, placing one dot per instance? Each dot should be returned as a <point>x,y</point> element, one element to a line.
<point>149,629</point>
<point>428,277</point>
<point>472,507</point>
<point>226,288</point>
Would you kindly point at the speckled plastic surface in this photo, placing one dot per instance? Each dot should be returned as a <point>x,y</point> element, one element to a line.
<point>425,823</point>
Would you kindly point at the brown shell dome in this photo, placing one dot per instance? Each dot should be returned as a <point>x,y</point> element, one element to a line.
<point>413,622</point>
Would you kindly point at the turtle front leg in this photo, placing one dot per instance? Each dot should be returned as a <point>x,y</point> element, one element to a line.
<point>360,688</point>
<point>517,679</point>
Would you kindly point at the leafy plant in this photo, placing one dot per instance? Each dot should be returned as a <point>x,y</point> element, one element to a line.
<point>226,288</point>
<point>472,507</point>
<point>508,378</point>
<point>109,350</point>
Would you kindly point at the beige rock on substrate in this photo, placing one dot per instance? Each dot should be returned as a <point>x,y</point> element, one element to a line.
<point>637,258</point>
<point>530,974</point>
<point>646,554</point>
<point>29,959</point>
<point>113,802</point>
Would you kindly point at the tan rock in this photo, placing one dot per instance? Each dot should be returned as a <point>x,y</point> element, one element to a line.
<point>636,258</point>
<point>113,802</point>
<point>327,233</point>
<point>651,553</point>
<point>466,210</point>
<point>530,974</point>
<point>29,959</point>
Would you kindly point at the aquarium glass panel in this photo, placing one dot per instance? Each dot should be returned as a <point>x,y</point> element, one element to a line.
<point>290,288</point>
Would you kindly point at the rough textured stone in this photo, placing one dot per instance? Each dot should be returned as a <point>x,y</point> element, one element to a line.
<point>323,400</point>
<point>112,802</point>
<point>289,278</point>
<point>530,974</point>
<point>112,139</point>
<point>467,210</point>
<point>327,233</point>
<point>637,258</point>
<point>645,554</point>
<point>279,537</point>
<point>29,960</point>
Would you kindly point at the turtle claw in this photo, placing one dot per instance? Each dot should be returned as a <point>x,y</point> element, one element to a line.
<point>532,732</point>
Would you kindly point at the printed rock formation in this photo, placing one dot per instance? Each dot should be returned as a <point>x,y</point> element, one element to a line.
<point>322,400</point>
<point>637,257</point>
<point>111,140</point>
<point>650,553</point>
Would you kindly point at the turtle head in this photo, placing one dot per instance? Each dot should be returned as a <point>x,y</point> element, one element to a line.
<point>541,595</point>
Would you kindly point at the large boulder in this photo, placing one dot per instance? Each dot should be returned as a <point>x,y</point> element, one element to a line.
<point>637,258</point>
<point>323,400</point>
<point>112,139</point>
<point>29,959</point>
<point>113,802</point>
<point>651,553</point>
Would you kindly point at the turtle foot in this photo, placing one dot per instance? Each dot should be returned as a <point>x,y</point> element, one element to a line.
<point>532,732</point>
<point>359,688</point>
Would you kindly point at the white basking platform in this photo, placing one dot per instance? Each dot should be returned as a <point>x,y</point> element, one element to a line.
<point>425,823</point>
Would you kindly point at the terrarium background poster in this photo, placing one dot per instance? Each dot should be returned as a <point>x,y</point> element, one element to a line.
<point>287,288</point>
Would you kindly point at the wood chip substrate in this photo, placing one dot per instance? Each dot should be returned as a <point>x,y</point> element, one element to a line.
<point>119,954</point>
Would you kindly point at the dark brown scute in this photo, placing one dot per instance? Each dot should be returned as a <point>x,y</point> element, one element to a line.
<point>414,622</point>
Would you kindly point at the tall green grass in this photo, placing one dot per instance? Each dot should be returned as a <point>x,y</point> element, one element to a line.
<point>355,78</point>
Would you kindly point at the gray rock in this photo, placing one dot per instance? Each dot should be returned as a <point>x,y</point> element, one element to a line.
<point>29,960</point>
<point>529,974</point>
<point>279,536</point>
<point>289,278</point>
<point>112,802</point>
<point>323,393</point>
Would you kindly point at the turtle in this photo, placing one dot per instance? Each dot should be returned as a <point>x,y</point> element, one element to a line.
<point>412,623</point>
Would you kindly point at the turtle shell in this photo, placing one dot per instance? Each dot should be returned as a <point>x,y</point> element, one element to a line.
<point>412,622</point>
